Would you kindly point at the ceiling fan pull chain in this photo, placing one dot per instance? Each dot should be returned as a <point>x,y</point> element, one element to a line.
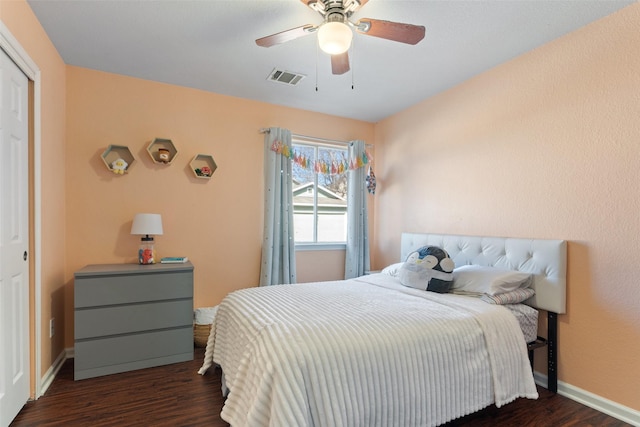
<point>317,53</point>
<point>353,62</point>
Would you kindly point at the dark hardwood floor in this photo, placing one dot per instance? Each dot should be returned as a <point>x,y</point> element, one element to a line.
<point>175,395</point>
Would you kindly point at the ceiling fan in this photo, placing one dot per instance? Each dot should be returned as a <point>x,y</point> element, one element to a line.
<point>335,33</point>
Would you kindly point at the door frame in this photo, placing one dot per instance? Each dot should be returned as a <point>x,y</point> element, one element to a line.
<point>19,55</point>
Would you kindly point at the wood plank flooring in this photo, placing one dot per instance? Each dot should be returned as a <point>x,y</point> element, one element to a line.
<point>175,395</point>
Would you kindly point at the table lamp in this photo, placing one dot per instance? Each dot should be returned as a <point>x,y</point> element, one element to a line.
<point>147,224</point>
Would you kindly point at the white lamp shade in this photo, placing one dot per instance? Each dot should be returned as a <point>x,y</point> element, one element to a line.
<point>334,38</point>
<point>146,223</point>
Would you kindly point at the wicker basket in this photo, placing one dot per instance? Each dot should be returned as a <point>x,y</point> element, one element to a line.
<point>201,334</point>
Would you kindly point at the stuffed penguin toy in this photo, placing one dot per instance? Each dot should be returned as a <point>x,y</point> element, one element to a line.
<point>429,268</point>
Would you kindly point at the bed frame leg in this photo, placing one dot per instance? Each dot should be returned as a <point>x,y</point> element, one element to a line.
<point>552,351</point>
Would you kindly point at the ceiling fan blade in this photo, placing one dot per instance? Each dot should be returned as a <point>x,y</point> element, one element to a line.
<point>340,63</point>
<point>287,35</point>
<point>396,31</point>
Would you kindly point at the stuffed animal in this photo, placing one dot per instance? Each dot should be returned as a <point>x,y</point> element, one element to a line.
<point>119,166</point>
<point>428,268</point>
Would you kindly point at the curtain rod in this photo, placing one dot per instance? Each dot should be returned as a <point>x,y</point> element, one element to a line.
<point>316,139</point>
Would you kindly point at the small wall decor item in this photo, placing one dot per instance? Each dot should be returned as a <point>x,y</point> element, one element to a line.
<point>371,181</point>
<point>162,151</point>
<point>334,167</point>
<point>163,155</point>
<point>118,159</point>
<point>119,166</point>
<point>203,166</point>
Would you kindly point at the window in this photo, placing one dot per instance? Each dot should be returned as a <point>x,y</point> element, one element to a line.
<point>319,192</point>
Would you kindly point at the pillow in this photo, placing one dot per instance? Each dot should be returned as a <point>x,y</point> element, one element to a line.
<point>393,269</point>
<point>429,269</point>
<point>489,280</point>
<point>512,297</point>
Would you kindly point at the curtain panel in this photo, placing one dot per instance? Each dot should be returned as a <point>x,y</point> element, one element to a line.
<point>357,253</point>
<point>278,247</point>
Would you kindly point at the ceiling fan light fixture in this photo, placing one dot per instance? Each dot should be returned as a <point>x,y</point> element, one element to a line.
<point>334,38</point>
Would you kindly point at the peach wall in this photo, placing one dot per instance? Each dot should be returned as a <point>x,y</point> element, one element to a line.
<point>217,223</point>
<point>317,266</point>
<point>544,146</point>
<point>22,23</point>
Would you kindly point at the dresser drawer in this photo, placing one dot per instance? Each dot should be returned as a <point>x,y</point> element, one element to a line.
<point>127,348</point>
<point>103,290</point>
<point>130,318</point>
<point>121,353</point>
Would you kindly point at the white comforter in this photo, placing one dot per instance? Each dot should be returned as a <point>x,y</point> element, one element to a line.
<point>363,352</point>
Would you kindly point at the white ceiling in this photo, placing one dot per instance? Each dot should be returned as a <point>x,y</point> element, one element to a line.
<point>210,45</point>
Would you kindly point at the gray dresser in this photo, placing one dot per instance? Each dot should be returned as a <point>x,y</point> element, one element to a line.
<point>130,316</point>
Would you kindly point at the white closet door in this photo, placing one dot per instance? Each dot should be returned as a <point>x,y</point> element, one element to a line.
<point>14,240</point>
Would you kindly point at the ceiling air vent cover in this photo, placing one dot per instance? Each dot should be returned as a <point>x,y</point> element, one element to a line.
<point>286,77</point>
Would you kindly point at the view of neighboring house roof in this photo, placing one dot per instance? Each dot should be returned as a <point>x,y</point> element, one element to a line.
<point>303,196</point>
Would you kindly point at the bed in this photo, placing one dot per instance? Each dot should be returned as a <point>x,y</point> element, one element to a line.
<point>369,351</point>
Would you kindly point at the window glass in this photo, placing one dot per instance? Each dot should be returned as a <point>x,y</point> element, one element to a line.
<point>319,193</point>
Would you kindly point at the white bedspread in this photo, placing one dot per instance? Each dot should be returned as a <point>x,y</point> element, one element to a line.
<point>363,352</point>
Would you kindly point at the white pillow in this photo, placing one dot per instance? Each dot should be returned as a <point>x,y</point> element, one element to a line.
<point>393,269</point>
<point>512,297</point>
<point>489,280</point>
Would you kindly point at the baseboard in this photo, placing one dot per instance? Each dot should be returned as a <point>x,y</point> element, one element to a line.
<point>599,403</point>
<point>51,373</point>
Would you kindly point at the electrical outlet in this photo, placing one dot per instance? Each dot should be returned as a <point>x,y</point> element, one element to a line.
<point>52,327</point>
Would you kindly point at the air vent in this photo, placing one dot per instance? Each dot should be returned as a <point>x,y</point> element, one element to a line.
<point>286,77</point>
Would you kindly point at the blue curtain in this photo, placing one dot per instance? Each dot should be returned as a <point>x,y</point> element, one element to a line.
<point>357,256</point>
<point>278,247</point>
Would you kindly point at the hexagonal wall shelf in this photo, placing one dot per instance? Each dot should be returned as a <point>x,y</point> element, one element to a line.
<point>203,166</point>
<point>162,151</point>
<point>118,159</point>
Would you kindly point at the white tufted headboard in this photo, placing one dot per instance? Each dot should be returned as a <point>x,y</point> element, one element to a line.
<point>546,259</point>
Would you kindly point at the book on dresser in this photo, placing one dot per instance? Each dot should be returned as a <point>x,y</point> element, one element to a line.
<point>174,260</point>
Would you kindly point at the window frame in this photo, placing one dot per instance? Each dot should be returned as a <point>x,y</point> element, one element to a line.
<point>317,144</point>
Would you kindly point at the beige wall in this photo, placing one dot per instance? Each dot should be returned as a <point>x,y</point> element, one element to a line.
<point>217,223</point>
<point>23,25</point>
<point>544,146</point>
